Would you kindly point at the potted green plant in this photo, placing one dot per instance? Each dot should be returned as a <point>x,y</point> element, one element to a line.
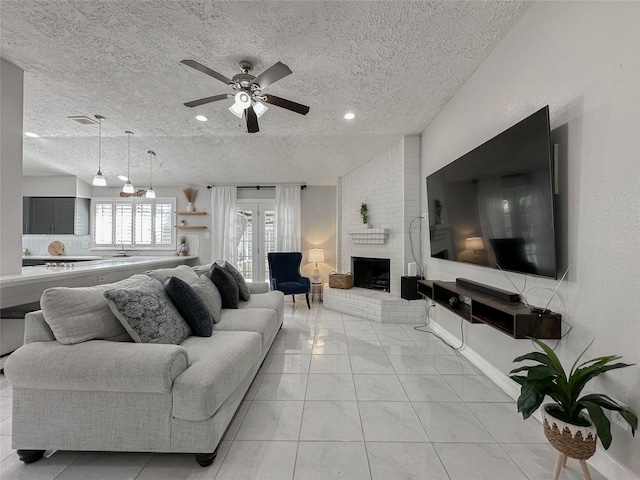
<point>548,378</point>
<point>364,213</point>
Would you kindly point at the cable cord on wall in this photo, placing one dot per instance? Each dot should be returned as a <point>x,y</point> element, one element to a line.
<point>419,328</point>
<point>413,254</point>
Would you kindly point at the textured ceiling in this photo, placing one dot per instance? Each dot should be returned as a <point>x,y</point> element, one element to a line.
<point>393,63</point>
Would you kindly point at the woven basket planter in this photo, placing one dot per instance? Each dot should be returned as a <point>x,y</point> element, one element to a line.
<point>341,280</point>
<point>574,441</point>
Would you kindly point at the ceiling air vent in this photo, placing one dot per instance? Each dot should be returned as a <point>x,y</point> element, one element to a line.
<point>82,119</point>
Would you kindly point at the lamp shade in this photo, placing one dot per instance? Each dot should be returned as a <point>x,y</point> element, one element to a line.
<point>316,255</point>
<point>474,243</point>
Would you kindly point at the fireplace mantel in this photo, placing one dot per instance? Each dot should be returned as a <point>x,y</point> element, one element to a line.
<point>369,236</point>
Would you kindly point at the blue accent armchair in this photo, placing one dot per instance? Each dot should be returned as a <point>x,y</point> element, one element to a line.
<point>284,274</point>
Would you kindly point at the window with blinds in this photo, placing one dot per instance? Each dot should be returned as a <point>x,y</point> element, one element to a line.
<point>133,222</point>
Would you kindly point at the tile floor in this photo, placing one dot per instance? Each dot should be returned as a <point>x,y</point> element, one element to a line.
<point>339,397</point>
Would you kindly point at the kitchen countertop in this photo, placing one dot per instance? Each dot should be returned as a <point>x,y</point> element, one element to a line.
<point>62,258</point>
<point>42,273</point>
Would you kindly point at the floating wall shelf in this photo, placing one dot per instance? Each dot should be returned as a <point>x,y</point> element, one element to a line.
<point>512,318</point>
<point>180,212</point>
<point>190,226</point>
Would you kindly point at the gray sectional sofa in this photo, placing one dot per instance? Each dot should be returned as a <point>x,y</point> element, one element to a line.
<point>81,383</point>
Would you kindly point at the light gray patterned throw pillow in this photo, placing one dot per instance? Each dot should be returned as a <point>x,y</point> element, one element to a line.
<point>147,314</point>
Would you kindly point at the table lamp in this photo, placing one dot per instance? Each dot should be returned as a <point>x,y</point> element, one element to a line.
<point>315,255</point>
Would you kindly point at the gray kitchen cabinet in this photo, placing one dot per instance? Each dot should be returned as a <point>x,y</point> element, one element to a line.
<point>56,215</point>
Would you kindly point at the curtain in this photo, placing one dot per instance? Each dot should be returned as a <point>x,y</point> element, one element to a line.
<point>288,213</point>
<point>223,224</point>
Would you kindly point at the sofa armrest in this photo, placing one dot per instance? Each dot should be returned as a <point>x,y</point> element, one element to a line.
<point>258,287</point>
<point>97,365</point>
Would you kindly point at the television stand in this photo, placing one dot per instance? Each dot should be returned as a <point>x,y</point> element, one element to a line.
<point>510,317</point>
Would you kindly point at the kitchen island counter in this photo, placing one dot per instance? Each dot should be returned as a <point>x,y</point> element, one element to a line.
<point>27,286</point>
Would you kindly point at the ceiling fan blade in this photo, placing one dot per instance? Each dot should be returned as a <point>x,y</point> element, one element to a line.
<point>252,120</point>
<point>272,74</point>
<point>288,104</point>
<point>202,101</point>
<point>207,70</point>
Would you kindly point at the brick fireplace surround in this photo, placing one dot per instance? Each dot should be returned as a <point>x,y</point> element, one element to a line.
<point>390,186</point>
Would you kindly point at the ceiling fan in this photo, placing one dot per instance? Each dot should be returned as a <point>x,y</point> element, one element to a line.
<point>249,98</point>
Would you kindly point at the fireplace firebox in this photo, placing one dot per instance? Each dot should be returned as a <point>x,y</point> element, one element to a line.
<point>372,273</point>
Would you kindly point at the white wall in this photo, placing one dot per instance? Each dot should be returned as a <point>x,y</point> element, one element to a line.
<point>11,90</point>
<point>581,58</point>
<point>389,185</point>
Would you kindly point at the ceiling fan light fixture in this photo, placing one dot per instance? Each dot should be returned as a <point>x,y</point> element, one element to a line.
<point>260,109</point>
<point>236,110</point>
<point>243,99</point>
<point>128,187</point>
<point>98,179</point>
<point>150,193</point>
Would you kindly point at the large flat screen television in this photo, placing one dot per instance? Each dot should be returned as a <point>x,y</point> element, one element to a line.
<point>494,206</point>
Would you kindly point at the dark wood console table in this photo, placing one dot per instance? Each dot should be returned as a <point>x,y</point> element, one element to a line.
<point>512,318</point>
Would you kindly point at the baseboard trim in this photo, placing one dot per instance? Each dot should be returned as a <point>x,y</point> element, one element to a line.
<point>604,463</point>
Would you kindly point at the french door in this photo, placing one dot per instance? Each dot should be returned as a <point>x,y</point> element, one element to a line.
<point>256,234</point>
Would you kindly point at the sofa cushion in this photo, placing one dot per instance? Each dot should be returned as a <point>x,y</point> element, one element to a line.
<point>82,313</point>
<point>260,320</point>
<point>273,300</point>
<point>148,315</point>
<point>190,305</point>
<point>210,296</point>
<point>226,285</point>
<point>202,269</point>
<point>217,366</point>
<point>243,288</point>
<point>183,272</point>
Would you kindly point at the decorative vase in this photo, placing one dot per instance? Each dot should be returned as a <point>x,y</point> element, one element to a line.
<point>183,250</point>
<point>190,207</point>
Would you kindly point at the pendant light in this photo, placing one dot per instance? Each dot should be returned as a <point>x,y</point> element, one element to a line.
<point>128,187</point>
<point>99,180</point>
<point>150,193</point>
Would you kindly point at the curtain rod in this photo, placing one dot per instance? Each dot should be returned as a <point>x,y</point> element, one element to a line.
<point>257,187</point>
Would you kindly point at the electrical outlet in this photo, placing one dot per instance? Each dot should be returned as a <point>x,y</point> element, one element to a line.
<point>619,420</point>
<point>423,215</point>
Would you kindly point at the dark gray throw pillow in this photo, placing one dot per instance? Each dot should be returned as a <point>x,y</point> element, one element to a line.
<point>190,305</point>
<point>226,285</point>
<point>147,314</point>
<point>243,288</point>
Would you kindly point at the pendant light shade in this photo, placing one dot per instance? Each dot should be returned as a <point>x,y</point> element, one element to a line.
<point>128,187</point>
<point>98,179</point>
<point>150,193</point>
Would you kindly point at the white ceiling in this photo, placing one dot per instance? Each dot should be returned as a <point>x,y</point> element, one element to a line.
<point>393,63</point>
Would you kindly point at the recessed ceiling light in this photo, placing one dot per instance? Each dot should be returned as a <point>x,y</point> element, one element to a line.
<point>349,115</point>
<point>31,134</point>
<point>123,178</point>
<point>202,118</point>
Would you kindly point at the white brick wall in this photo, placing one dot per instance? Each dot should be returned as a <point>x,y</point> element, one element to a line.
<point>390,186</point>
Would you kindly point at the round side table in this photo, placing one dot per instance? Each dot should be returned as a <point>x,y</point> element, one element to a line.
<point>316,290</point>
